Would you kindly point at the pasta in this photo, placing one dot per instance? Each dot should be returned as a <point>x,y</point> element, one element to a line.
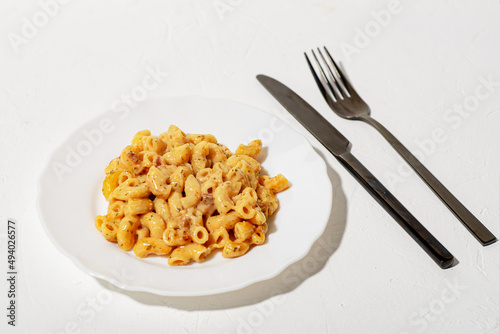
<point>185,196</point>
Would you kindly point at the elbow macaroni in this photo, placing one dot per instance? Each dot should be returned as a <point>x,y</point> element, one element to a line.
<point>186,195</point>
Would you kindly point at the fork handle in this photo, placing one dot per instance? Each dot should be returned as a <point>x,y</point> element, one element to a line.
<point>482,234</point>
<point>408,222</point>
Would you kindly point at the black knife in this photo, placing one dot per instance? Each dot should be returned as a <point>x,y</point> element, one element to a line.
<point>340,147</point>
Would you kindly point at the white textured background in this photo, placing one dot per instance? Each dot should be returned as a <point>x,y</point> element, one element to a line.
<point>420,66</point>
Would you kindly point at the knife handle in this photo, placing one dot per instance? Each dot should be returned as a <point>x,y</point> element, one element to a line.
<point>408,222</point>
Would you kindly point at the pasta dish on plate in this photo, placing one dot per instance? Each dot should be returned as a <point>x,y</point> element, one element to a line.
<point>185,196</point>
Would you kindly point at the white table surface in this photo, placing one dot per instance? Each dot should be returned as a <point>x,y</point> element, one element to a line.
<point>423,67</point>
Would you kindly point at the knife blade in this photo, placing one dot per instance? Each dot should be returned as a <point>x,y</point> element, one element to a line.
<point>340,147</point>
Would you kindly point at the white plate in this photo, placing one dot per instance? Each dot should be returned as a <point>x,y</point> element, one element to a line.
<point>69,196</point>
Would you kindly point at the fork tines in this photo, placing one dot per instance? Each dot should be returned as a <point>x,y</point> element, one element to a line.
<point>333,74</point>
